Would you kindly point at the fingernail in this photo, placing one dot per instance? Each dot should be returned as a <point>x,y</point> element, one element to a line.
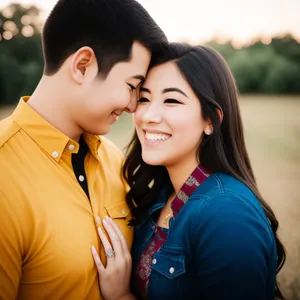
<point>104,222</point>
<point>98,220</point>
<point>99,230</point>
<point>94,250</point>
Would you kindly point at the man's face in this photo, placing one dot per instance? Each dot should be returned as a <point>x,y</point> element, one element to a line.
<point>101,102</point>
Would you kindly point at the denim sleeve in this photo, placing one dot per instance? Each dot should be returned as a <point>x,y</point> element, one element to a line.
<point>233,249</point>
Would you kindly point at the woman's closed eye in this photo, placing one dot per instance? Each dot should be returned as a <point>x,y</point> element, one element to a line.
<point>143,100</point>
<point>172,101</point>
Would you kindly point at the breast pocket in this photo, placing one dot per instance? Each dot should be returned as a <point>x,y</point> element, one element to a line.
<point>169,265</point>
<point>120,213</point>
<point>168,278</point>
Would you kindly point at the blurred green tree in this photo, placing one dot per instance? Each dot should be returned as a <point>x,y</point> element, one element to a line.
<point>282,77</point>
<point>21,59</point>
<point>287,47</point>
<point>259,68</point>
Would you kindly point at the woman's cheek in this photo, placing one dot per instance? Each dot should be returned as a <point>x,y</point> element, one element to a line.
<point>137,116</point>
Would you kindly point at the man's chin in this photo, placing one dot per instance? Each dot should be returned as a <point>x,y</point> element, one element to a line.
<point>102,131</point>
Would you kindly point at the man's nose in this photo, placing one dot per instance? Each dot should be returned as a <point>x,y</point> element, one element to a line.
<point>131,107</point>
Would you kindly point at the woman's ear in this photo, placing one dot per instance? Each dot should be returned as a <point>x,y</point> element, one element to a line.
<point>208,130</point>
<point>220,114</point>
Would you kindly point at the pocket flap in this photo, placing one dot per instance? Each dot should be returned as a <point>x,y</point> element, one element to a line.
<point>118,210</point>
<point>168,265</point>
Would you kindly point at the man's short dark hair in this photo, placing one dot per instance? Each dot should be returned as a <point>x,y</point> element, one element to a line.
<point>109,27</point>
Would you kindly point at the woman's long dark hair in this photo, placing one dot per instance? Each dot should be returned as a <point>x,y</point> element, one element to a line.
<point>224,151</point>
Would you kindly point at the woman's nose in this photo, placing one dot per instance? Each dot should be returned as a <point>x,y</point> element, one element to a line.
<point>152,114</point>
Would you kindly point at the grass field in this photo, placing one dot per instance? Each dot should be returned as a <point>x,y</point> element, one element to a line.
<point>272,128</point>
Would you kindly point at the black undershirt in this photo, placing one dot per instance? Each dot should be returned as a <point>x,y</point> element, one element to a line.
<point>78,165</point>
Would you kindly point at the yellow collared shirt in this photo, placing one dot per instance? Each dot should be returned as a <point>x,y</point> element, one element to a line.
<point>47,223</point>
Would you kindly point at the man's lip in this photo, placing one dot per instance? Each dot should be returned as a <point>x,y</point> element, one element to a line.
<point>116,114</point>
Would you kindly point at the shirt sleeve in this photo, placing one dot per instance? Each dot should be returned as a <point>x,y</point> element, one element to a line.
<point>10,250</point>
<point>233,251</point>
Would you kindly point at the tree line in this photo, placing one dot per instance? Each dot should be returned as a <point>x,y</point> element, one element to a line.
<point>272,68</point>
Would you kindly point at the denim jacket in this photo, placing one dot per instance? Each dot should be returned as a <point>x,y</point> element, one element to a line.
<point>219,246</point>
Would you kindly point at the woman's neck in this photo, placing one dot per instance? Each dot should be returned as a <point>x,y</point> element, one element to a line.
<point>180,172</point>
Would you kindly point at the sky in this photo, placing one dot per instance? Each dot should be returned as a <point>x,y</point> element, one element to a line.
<point>199,20</point>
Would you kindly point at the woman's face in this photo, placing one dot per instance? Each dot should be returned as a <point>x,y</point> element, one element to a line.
<point>168,118</point>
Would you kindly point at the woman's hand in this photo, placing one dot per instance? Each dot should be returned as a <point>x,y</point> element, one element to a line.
<point>114,279</point>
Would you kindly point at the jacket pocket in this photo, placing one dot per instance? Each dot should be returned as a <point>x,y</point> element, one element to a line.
<point>168,264</point>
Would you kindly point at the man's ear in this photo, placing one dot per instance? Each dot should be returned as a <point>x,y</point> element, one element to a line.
<point>83,65</point>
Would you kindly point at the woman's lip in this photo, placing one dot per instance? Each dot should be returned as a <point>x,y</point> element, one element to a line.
<point>156,131</point>
<point>162,137</point>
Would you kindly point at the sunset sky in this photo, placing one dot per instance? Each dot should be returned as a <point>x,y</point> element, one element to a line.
<point>198,20</point>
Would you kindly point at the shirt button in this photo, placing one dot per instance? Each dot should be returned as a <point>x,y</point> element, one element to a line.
<point>55,154</point>
<point>153,227</point>
<point>81,178</point>
<point>123,212</point>
<point>171,270</point>
<point>154,261</point>
<point>71,147</point>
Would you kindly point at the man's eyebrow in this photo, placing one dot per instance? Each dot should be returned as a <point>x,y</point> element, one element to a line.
<point>173,89</point>
<point>143,89</point>
<point>139,77</point>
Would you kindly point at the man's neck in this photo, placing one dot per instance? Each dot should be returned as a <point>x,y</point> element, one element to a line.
<point>48,100</point>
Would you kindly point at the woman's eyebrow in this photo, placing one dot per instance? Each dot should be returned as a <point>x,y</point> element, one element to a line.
<point>167,90</point>
<point>173,89</point>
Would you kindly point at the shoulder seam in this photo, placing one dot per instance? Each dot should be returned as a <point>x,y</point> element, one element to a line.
<point>240,198</point>
<point>14,132</point>
<point>220,185</point>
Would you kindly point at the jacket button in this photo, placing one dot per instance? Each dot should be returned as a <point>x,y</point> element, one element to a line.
<point>171,270</point>
<point>154,261</point>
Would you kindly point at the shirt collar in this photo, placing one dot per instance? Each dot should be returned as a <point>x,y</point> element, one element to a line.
<point>93,142</point>
<point>49,138</point>
<point>192,183</point>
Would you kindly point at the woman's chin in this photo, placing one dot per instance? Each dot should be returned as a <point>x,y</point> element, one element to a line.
<point>153,160</point>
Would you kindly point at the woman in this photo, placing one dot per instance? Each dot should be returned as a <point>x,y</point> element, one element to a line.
<point>202,229</point>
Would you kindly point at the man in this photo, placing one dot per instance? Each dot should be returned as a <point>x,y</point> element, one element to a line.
<point>58,177</point>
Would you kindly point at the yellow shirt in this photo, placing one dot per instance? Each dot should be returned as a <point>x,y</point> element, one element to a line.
<point>47,223</point>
